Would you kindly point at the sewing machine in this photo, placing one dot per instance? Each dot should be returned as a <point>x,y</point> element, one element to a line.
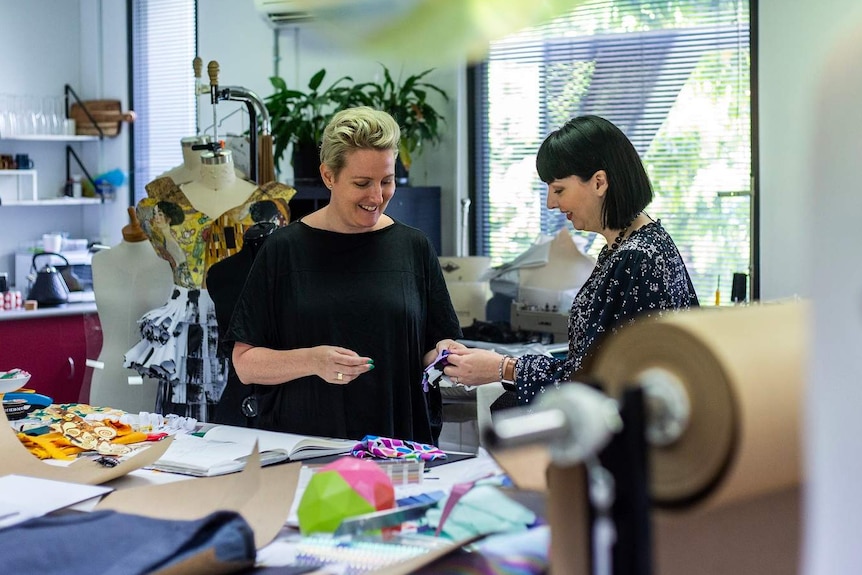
<point>551,324</point>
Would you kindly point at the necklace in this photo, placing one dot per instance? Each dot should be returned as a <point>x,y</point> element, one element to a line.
<point>622,233</point>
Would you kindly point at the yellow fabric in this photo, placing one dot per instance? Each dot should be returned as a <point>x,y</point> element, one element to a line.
<point>50,446</point>
<point>192,245</point>
<point>74,435</point>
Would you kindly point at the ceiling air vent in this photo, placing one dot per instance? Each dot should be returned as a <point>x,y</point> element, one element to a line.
<point>282,12</point>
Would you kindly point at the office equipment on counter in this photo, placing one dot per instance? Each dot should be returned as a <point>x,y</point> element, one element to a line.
<point>712,401</point>
<point>468,288</point>
<point>549,325</point>
<point>546,276</point>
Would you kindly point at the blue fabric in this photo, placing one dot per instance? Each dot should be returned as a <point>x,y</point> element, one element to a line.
<point>111,543</point>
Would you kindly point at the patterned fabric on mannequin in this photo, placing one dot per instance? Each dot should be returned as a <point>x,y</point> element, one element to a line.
<point>179,343</point>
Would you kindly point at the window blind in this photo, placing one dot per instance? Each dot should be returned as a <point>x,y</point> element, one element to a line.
<point>674,76</point>
<point>163,47</point>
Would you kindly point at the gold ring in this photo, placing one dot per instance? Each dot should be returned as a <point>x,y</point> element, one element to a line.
<point>339,376</point>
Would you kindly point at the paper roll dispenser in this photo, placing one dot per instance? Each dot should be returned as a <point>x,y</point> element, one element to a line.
<point>710,401</point>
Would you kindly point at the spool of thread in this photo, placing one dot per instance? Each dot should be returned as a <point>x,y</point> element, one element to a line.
<point>718,291</point>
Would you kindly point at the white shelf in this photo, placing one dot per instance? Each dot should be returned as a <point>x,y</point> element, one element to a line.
<point>55,202</point>
<point>24,187</point>
<point>26,194</point>
<point>50,138</point>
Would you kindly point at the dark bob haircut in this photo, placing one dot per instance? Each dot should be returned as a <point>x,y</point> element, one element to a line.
<point>587,144</point>
<point>172,212</point>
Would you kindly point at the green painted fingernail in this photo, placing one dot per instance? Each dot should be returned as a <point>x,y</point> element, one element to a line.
<point>370,366</point>
<point>370,362</point>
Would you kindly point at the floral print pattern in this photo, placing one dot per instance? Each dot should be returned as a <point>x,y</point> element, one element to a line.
<point>644,276</point>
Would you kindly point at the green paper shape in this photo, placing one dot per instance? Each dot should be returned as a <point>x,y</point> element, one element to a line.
<point>327,501</point>
<point>367,479</point>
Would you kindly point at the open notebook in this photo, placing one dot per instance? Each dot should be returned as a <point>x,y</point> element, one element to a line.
<point>224,449</point>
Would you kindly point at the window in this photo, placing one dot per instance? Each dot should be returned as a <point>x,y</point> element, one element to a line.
<point>674,76</point>
<point>163,85</point>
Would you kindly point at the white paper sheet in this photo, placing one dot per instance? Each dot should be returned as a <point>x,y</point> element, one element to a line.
<point>23,498</point>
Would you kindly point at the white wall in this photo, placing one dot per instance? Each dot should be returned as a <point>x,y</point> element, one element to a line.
<point>795,36</point>
<point>828,174</point>
<point>231,32</point>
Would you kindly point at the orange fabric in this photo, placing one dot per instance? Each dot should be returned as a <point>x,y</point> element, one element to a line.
<point>56,445</point>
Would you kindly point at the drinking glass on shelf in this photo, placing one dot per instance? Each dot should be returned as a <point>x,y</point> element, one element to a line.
<point>53,106</point>
<point>23,119</point>
<point>40,116</point>
<point>5,116</point>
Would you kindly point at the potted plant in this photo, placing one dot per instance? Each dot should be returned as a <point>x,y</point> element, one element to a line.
<point>298,117</point>
<point>407,102</point>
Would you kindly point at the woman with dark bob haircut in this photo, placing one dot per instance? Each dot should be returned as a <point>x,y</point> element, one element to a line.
<point>596,178</point>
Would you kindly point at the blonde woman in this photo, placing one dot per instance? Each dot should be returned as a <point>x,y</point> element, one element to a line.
<point>343,308</point>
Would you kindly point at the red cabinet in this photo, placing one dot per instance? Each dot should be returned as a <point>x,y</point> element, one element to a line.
<point>54,349</point>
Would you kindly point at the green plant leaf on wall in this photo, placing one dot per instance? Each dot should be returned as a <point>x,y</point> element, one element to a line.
<point>407,102</point>
<point>299,116</point>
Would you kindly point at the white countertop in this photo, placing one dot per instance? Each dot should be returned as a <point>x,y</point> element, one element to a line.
<point>57,311</point>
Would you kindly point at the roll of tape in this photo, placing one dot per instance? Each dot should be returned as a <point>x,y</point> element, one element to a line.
<point>742,369</point>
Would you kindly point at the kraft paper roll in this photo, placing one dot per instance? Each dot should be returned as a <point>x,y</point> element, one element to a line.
<point>742,369</point>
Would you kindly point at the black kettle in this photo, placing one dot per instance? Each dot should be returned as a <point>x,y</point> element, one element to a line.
<point>49,288</point>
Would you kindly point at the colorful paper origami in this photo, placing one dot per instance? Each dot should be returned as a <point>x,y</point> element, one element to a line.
<point>344,488</point>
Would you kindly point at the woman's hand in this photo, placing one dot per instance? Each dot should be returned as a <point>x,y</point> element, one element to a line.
<point>449,345</point>
<point>267,366</point>
<point>338,365</point>
<point>473,366</point>
<point>442,345</point>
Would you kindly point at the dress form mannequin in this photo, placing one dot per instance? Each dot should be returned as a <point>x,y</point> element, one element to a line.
<point>190,168</point>
<point>225,280</point>
<point>216,189</point>
<point>128,280</point>
<point>193,226</point>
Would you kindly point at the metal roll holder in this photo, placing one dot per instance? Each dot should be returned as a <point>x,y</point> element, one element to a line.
<point>599,504</point>
<point>260,168</point>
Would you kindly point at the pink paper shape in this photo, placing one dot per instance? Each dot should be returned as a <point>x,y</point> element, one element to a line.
<point>367,479</point>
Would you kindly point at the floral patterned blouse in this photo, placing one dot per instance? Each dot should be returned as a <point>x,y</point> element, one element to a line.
<point>644,276</point>
<point>190,240</point>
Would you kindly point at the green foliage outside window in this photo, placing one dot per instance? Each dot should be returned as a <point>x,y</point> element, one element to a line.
<point>698,154</point>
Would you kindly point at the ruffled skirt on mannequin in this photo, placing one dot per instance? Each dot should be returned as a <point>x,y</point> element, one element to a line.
<point>179,348</point>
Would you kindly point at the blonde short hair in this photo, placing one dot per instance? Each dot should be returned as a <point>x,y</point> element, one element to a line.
<point>357,129</point>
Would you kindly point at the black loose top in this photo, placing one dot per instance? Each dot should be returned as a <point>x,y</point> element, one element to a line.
<point>644,276</point>
<point>380,294</point>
